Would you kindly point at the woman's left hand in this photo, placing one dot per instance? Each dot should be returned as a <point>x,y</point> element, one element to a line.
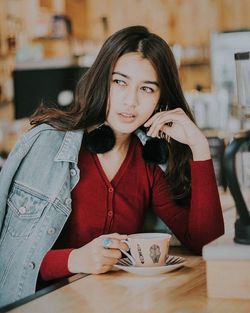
<point>182,130</point>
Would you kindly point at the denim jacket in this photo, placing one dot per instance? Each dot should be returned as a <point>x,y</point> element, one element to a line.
<point>35,201</point>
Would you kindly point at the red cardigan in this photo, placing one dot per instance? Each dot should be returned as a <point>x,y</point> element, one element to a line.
<point>102,207</point>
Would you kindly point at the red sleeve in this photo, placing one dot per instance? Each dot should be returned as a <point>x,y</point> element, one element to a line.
<point>202,222</point>
<point>55,264</point>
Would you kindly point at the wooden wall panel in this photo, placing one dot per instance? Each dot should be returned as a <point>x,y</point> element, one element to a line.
<point>47,4</point>
<point>139,12</point>
<point>190,77</point>
<point>187,22</point>
<point>77,12</point>
<point>3,30</point>
<point>191,21</point>
<point>122,13</point>
<point>96,11</point>
<point>234,14</point>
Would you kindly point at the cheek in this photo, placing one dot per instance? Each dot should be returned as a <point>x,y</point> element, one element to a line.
<point>148,106</point>
<point>147,109</point>
<point>114,97</point>
<point>149,100</point>
<point>145,114</point>
<point>111,101</point>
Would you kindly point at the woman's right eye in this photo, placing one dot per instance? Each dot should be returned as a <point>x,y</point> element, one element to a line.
<point>119,82</point>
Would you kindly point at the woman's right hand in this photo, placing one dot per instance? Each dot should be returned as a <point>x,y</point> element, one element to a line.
<point>93,258</point>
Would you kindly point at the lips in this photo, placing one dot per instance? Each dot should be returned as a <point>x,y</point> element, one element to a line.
<point>127,115</point>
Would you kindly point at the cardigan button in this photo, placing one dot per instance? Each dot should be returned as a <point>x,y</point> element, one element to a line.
<point>110,213</point>
<point>111,189</point>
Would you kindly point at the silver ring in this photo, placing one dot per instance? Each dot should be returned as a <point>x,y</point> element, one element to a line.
<point>106,243</point>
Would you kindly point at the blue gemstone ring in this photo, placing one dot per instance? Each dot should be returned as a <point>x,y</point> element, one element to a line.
<point>106,243</point>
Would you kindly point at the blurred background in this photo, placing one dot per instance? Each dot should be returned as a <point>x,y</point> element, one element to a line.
<point>46,45</point>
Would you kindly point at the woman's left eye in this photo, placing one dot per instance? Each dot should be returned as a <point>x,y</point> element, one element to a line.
<point>147,89</point>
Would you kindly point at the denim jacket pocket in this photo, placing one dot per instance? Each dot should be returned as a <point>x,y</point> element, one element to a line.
<point>24,211</point>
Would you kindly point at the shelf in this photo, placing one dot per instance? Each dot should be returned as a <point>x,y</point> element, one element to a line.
<point>191,63</point>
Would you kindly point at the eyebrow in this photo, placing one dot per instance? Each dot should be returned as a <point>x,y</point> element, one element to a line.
<point>145,82</point>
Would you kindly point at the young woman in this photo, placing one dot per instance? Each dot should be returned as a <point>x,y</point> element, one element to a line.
<point>80,180</point>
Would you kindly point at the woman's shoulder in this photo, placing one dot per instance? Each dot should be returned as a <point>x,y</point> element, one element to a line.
<point>42,130</point>
<point>23,144</point>
<point>47,137</point>
<point>43,138</point>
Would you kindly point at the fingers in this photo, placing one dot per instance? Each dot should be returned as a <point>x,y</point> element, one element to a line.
<point>107,257</point>
<point>161,125</point>
<point>171,114</point>
<point>114,244</point>
<point>94,257</point>
<point>113,241</point>
<point>110,246</point>
<point>165,121</point>
<point>109,261</point>
<point>114,236</point>
<point>154,119</point>
<point>112,253</point>
<point>104,259</point>
<point>102,269</point>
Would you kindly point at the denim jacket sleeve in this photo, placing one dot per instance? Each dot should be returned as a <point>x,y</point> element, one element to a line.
<point>35,202</point>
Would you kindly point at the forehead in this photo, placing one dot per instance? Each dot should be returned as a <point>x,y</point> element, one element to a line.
<point>134,65</point>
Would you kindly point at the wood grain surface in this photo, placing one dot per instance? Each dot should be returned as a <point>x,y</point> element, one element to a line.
<point>183,290</point>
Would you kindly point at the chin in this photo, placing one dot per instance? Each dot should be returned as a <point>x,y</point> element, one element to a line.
<point>124,131</point>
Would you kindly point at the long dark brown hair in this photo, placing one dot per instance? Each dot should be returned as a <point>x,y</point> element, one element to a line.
<point>91,96</point>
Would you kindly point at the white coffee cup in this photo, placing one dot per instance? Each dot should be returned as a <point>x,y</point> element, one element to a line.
<point>148,249</point>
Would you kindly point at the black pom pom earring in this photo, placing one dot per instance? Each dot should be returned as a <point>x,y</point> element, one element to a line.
<point>99,140</point>
<point>156,151</point>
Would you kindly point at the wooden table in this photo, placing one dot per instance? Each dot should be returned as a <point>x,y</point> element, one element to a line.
<point>180,291</point>
<point>183,290</point>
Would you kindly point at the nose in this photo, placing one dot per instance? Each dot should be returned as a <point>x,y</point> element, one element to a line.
<point>131,98</point>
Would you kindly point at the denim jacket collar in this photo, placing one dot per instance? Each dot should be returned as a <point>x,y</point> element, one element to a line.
<point>70,147</point>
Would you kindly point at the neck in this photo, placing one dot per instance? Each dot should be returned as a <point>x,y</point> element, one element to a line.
<point>120,149</point>
<point>122,142</point>
<point>112,160</point>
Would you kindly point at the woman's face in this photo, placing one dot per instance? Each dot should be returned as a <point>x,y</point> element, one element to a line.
<point>134,93</point>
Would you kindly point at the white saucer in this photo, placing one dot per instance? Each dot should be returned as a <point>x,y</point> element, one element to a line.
<point>172,263</point>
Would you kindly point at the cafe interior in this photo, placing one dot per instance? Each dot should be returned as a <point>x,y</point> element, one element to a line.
<point>45,47</point>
